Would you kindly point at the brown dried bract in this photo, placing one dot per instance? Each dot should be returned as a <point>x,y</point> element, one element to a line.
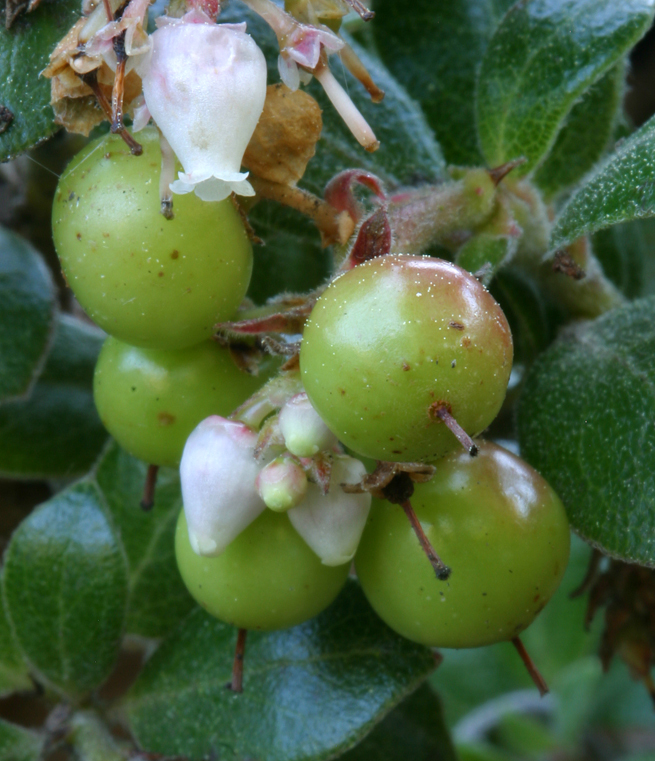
<point>563,262</point>
<point>627,592</point>
<point>392,480</point>
<point>74,103</point>
<point>286,136</point>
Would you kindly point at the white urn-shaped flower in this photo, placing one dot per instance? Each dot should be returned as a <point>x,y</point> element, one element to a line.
<point>205,86</point>
<point>217,472</point>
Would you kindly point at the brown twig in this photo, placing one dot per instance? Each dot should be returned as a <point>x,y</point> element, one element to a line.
<point>91,80</point>
<point>236,685</point>
<point>539,681</point>
<point>148,499</point>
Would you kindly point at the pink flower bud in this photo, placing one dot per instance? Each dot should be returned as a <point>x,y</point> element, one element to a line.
<point>305,433</point>
<point>282,484</point>
<point>205,87</point>
<point>332,524</point>
<point>218,472</point>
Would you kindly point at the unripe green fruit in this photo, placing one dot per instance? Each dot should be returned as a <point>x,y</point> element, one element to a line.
<point>500,528</point>
<point>393,341</point>
<point>267,578</point>
<point>149,281</point>
<point>151,399</point>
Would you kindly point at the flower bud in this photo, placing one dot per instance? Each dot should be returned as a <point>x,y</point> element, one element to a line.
<point>305,433</point>
<point>205,87</point>
<point>332,524</point>
<point>218,472</point>
<point>282,484</point>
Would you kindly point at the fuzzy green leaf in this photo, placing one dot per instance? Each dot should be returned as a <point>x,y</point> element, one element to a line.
<point>28,309</point>
<point>19,744</point>
<point>543,56</point>
<point>158,599</point>
<point>14,673</point>
<point>627,255</point>
<point>408,150</point>
<point>586,423</point>
<point>585,136</point>
<point>621,189</point>
<point>56,432</point>
<point>434,50</point>
<point>531,317</point>
<point>291,259</point>
<point>65,586</point>
<point>413,730</point>
<point>310,692</point>
<point>24,53</point>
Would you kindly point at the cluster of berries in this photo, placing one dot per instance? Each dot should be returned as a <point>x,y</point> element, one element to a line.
<point>403,359</point>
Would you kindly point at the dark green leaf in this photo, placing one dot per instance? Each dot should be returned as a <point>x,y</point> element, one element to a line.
<point>434,49</point>
<point>65,585</point>
<point>291,259</point>
<point>408,149</point>
<point>14,673</point>
<point>586,423</point>
<point>543,56</point>
<point>28,308</point>
<point>24,53</point>
<point>622,189</point>
<point>57,431</point>
<point>531,317</point>
<point>310,692</point>
<point>627,255</point>
<point>413,730</point>
<point>408,152</point>
<point>19,744</point>
<point>585,136</point>
<point>158,599</point>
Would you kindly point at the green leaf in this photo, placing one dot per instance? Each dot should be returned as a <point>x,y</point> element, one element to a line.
<point>413,730</point>
<point>65,586</point>
<point>14,673</point>
<point>19,744</point>
<point>585,422</point>
<point>158,599</point>
<point>627,255</point>
<point>585,136</point>
<point>310,692</point>
<point>531,317</point>
<point>56,432</point>
<point>620,190</point>
<point>434,49</point>
<point>543,56</point>
<point>26,319</point>
<point>408,150</point>
<point>24,53</point>
<point>291,259</point>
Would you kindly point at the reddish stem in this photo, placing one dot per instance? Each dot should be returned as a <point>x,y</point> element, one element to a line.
<point>236,685</point>
<point>91,79</point>
<point>444,414</point>
<point>539,681</point>
<point>148,499</point>
<point>440,568</point>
